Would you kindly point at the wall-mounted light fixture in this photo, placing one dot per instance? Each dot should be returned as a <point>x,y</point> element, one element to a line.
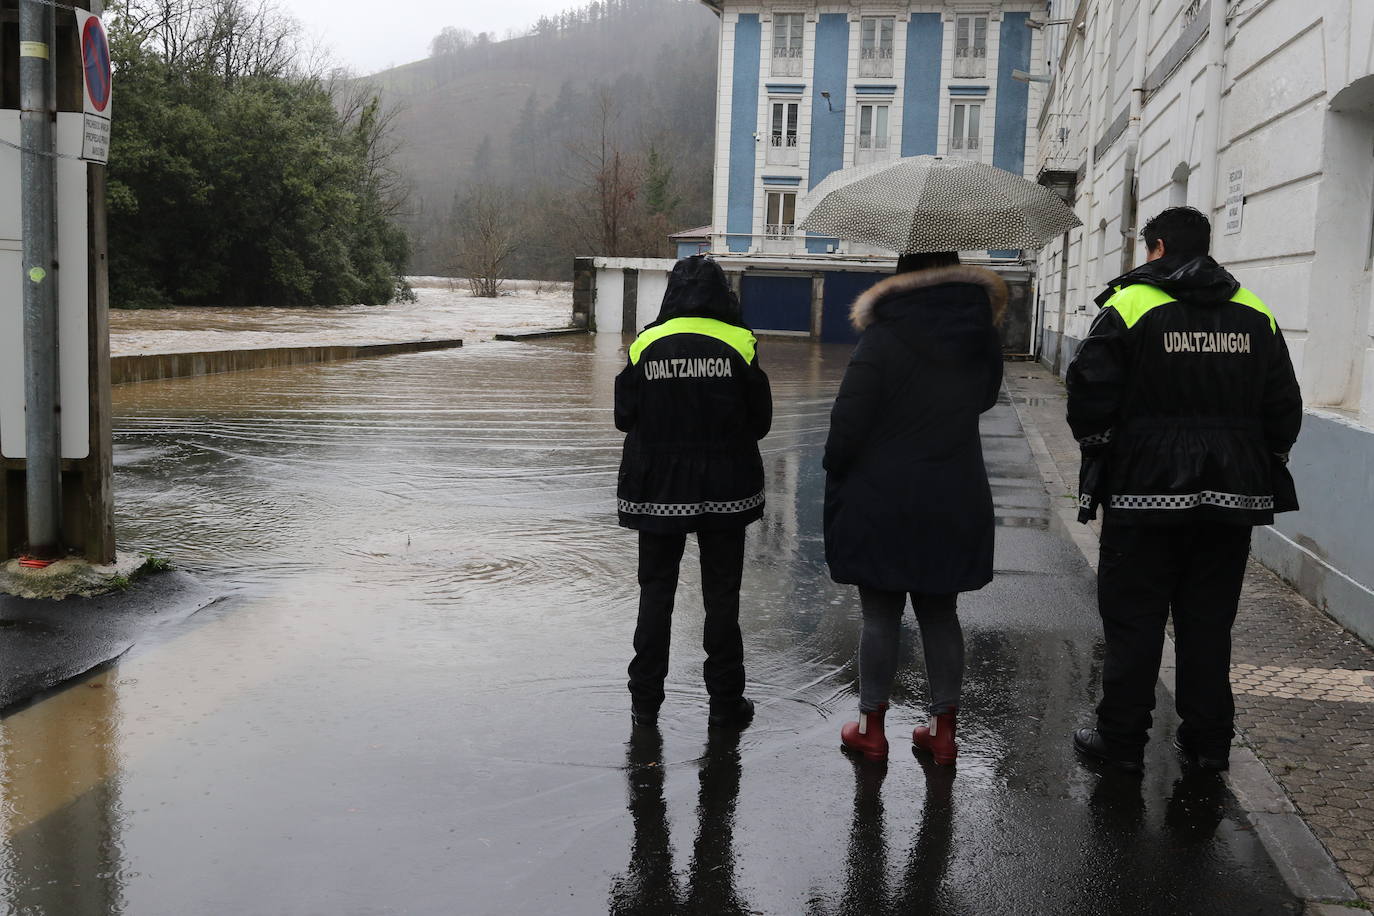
<point>826,95</point>
<point>1023,77</point>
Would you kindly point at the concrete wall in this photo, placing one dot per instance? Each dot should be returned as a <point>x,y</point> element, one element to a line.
<point>1325,549</point>
<point>151,366</point>
<point>1291,114</point>
<point>648,279</point>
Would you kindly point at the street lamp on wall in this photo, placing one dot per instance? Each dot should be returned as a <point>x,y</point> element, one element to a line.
<point>826,95</point>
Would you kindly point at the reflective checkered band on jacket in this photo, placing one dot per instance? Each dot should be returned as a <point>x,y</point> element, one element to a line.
<point>1085,500</point>
<point>1193,500</point>
<point>685,509</point>
<point>1099,439</point>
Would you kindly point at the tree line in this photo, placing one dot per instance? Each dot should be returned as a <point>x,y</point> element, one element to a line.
<point>241,171</point>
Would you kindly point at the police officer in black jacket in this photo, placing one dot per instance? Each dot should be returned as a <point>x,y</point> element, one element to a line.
<point>694,403</point>
<point>1185,405</point>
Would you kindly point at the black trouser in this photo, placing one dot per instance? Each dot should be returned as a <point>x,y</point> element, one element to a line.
<point>722,569</point>
<point>1193,571</point>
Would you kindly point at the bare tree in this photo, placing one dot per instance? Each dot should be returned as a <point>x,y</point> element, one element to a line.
<point>486,239</point>
<point>609,177</point>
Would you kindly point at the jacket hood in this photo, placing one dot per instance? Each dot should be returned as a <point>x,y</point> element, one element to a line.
<point>865,309</point>
<point>697,287</point>
<point>1200,280</point>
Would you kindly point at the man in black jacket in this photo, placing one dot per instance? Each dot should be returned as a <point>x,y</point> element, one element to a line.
<point>1185,405</point>
<point>694,403</point>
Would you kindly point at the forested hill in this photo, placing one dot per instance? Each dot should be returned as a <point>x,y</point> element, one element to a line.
<point>525,118</point>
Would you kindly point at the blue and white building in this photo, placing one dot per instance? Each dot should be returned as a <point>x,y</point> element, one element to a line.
<point>806,88</point>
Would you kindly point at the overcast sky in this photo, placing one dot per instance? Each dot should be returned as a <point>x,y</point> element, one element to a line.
<point>358,40</point>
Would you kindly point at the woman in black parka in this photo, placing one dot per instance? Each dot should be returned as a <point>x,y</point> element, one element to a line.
<point>694,403</point>
<point>908,509</point>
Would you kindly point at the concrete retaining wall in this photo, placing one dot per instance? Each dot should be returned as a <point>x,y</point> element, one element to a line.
<point>152,366</point>
<point>1324,549</point>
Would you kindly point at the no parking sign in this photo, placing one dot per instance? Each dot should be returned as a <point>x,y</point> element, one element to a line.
<point>95,65</point>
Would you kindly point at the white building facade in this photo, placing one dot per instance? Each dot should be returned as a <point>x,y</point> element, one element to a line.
<point>1260,113</point>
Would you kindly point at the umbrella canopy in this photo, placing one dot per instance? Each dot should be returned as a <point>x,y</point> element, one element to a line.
<point>931,203</point>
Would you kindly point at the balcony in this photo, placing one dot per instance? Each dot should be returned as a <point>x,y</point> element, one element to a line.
<point>970,63</point>
<point>782,149</point>
<point>875,62</point>
<point>787,61</point>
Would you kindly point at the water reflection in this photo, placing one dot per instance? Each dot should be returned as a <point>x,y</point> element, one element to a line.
<point>923,886</point>
<point>61,850</point>
<point>650,884</point>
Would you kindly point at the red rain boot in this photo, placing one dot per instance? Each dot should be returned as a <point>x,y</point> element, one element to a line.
<point>938,738</point>
<point>866,735</point>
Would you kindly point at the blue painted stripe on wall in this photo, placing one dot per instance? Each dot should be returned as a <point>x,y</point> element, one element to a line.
<point>890,89</point>
<point>786,88</point>
<point>782,179</point>
<point>1009,143</point>
<point>831,75</point>
<point>968,90</point>
<point>921,109</point>
<point>744,119</point>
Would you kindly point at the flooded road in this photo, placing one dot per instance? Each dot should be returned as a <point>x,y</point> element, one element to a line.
<point>412,699</point>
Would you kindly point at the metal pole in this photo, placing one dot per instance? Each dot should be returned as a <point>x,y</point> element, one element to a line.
<point>37,101</point>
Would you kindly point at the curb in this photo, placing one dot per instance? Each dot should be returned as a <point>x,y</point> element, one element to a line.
<point>1303,862</point>
<point>540,333</point>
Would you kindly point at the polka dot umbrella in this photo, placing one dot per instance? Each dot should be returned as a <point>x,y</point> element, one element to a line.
<point>933,203</point>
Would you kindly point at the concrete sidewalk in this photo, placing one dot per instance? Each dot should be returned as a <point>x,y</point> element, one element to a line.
<point>1304,691</point>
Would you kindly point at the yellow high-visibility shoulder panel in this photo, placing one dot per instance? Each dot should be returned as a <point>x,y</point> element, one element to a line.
<point>1244,297</point>
<point>1133,302</point>
<point>737,338</point>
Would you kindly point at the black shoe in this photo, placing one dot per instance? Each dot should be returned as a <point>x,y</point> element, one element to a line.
<point>643,716</point>
<point>737,716</point>
<point>1203,760</point>
<point>1089,743</point>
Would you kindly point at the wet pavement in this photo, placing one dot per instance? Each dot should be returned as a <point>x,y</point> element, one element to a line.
<point>412,699</point>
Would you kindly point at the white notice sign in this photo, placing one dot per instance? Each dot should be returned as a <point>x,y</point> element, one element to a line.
<point>95,138</point>
<point>1235,200</point>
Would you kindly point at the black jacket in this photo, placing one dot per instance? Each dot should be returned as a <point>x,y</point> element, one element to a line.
<point>1184,401</point>
<point>907,502</point>
<point>694,403</point>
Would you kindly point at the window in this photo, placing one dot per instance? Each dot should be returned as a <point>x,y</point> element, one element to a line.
<point>970,46</point>
<point>782,134</point>
<point>965,130</point>
<point>787,44</point>
<point>872,141</point>
<point>875,45</point>
<point>782,214</point>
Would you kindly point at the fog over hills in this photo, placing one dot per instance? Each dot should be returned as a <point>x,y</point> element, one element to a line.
<point>591,135</point>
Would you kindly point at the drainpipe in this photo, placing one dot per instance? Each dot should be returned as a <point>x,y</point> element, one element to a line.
<point>1098,56</point>
<point>1211,120</point>
<point>42,443</point>
<point>1130,188</point>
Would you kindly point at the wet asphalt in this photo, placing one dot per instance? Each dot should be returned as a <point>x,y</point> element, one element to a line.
<point>411,698</point>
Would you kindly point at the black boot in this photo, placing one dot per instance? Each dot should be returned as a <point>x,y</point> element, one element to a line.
<point>736,715</point>
<point>1202,758</point>
<point>1090,743</point>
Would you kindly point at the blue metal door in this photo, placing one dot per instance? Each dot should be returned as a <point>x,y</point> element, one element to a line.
<point>841,289</point>
<point>773,303</point>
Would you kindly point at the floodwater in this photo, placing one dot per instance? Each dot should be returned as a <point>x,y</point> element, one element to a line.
<point>443,310</point>
<point>412,699</point>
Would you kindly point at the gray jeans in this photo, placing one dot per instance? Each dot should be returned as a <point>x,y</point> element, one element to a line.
<point>941,637</point>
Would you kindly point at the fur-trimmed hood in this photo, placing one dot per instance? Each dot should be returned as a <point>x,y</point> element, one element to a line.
<point>863,312</point>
